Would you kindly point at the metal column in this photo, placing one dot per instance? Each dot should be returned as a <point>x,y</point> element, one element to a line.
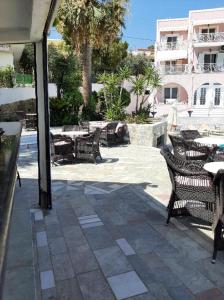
<point>43,130</point>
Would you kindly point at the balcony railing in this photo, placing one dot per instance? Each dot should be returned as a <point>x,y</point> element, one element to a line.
<point>179,45</point>
<point>188,68</point>
<point>172,70</point>
<point>209,68</point>
<point>209,37</point>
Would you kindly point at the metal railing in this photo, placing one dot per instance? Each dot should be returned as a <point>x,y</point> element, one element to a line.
<point>179,45</point>
<point>175,69</point>
<point>188,68</point>
<point>209,37</point>
<point>209,68</point>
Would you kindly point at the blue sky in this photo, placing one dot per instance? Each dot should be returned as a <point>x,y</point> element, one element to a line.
<point>141,19</point>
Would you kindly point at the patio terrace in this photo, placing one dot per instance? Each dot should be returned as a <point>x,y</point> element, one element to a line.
<point>106,237</point>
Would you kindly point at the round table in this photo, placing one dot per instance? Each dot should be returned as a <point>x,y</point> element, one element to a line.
<point>73,134</point>
<point>210,141</point>
<point>213,167</point>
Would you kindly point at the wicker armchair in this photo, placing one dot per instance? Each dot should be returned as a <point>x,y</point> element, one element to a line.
<point>84,125</point>
<point>88,147</point>
<point>113,134</point>
<point>191,150</point>
<point>194,192</point>
<point>61,147</point>
<point>190,135</point>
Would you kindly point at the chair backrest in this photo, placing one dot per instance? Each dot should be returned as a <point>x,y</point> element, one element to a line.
<point>190,134</point>
<point>84,125</point>
<point>174,163</point>
<point>96,135</point>
<point>111,127</point>
<point>178,145</point>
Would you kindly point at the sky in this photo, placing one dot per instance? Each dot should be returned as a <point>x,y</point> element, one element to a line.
<point>141,19</point>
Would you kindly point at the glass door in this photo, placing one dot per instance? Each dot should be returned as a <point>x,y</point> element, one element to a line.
<point>172,42</point>
<point>170,93</point>
<point>210,62</point>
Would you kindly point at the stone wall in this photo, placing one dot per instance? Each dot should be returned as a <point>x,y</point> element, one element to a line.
<point>147,134</point>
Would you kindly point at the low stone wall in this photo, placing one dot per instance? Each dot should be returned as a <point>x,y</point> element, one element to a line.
<point>154,135</point>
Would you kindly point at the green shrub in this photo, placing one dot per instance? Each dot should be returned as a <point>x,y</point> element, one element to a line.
<point>65,111</point>
<point>7,77</point>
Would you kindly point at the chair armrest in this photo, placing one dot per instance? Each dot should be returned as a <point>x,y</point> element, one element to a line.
<point>218,176</point>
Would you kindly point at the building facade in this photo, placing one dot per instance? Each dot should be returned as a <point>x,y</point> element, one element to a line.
<point>189,54</point>
<point>9,54</point>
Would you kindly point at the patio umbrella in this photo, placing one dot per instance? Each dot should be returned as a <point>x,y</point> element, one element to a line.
<point>172,117</point>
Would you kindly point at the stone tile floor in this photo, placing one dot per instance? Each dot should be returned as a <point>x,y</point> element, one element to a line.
<point>106,237</point>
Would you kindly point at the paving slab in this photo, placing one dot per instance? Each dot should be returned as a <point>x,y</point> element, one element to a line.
<point>112,261</point>
<point>62,266</point>
<point>93,286</point>
<point>68,290</point>
<point>83,259</point>
<point>126,285</point>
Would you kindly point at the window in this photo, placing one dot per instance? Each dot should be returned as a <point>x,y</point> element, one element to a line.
<point>170,66</point>
<point>210,62</point>
<point>217,96</point>
<point>170,93</point>
<point>208,34</point>
<point>208,30</point>
<point>203,96</point>
<point>195,97</point>
<point>171,42</point>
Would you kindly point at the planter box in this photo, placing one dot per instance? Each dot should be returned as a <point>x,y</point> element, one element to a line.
<point>153,135</point>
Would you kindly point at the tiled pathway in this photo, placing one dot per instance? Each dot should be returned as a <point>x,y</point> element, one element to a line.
<point>106,237</point>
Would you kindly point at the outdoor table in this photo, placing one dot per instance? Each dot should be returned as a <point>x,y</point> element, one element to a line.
<point>73,134</point>
<point>214,167</point>
<point>209,141</point>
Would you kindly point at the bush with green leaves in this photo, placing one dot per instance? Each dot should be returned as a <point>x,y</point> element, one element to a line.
<point>115,96</point>
<point>7,77</point>
<point>144,86</point>
<point>65,111</point>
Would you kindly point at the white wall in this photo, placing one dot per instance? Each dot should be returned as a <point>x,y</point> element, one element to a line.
<point>6,59</point>
<point>10,95</point>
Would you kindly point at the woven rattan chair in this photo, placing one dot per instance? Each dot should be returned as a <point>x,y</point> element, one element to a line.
<point>62,147</point>
<point>191,150</point>
<point>87,148</point>
<point>194,192</point>
<point>113,134</point>
<point>84,125</point>
<point>190,134</point>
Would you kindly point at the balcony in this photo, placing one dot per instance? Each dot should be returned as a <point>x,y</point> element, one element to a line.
<point>175,69</point>
<point>188,68</point>
<point>179,45</point>
<point>216,37</point>
<point>209,68</point>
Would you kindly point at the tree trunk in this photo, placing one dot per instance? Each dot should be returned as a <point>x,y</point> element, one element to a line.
<point>136,105</point>
<point>86,73</point>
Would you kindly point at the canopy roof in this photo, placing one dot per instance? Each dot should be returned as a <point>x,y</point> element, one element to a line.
<point>23,21</point>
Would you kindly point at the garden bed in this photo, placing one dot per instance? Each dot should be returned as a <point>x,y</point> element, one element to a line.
<point>153,135</point>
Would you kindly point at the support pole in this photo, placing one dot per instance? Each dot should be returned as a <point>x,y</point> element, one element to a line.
<point>43,128</point>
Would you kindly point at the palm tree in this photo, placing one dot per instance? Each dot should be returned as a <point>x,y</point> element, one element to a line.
<point>88,24</point>
<point>141,83</point>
